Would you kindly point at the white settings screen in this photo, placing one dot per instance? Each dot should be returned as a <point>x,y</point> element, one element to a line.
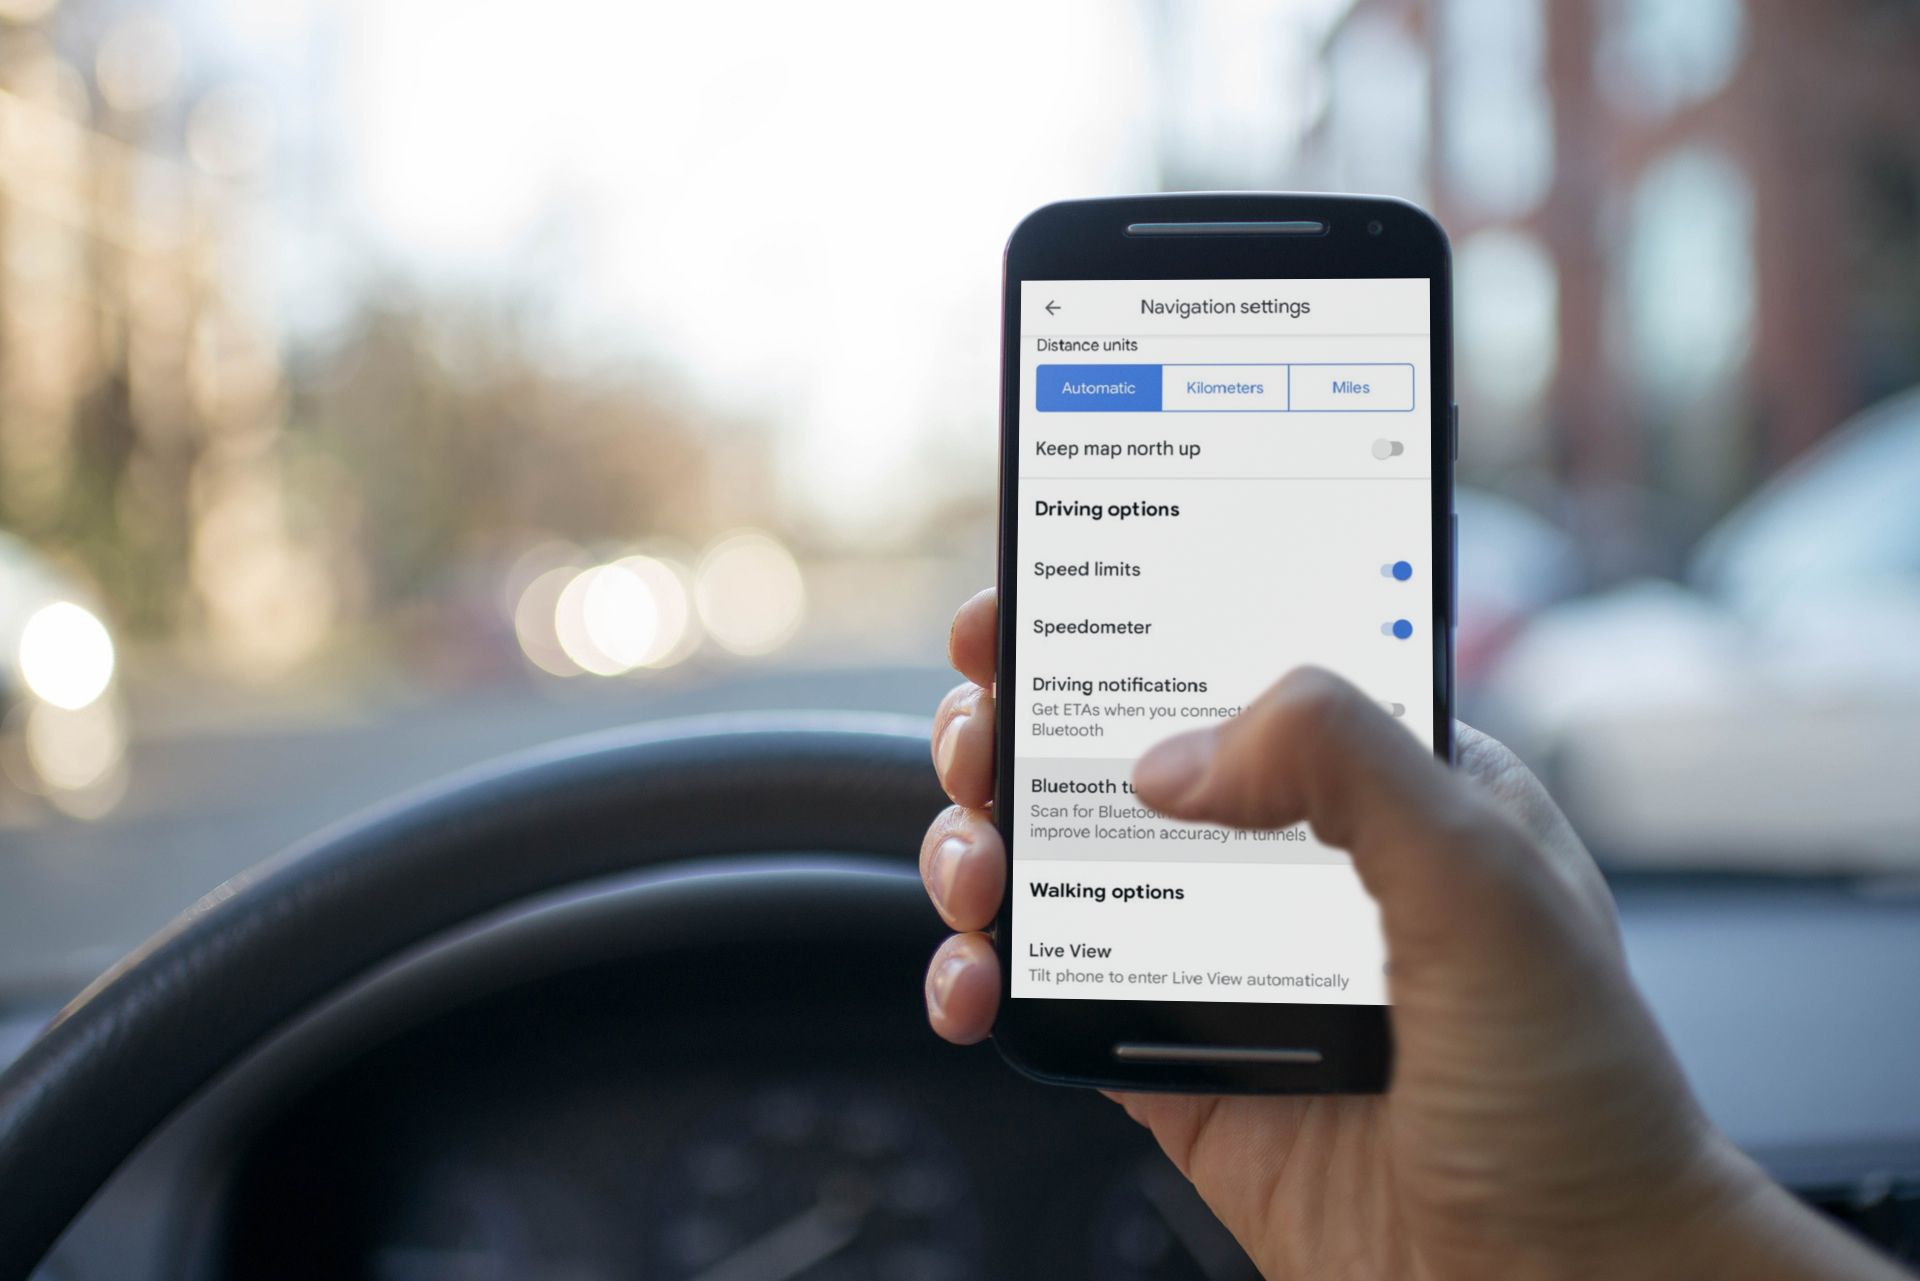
<point>1219,480</point>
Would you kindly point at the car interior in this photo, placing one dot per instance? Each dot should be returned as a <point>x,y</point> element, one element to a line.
<point>484,489</point>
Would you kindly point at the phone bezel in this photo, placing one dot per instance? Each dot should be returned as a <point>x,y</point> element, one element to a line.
<point>1072,1042</point>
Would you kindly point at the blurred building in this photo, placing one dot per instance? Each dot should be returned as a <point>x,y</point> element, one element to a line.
<point>1687,235</point>
<point>141,392</point>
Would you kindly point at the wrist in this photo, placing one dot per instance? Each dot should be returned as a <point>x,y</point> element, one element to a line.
<point>1732,1220</point>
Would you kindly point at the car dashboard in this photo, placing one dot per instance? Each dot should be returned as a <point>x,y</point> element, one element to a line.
<point>731,1116</point>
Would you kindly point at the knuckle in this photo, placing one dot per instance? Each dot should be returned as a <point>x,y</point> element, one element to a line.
<point>974,718</point>
<point>955,700</point>
<point>944,824</point>
<point>1315,703</point>
<point>1490,760</point>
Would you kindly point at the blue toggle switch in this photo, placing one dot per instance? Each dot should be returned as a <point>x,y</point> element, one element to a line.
<point>1399,629</point>
<point>1400,569</point>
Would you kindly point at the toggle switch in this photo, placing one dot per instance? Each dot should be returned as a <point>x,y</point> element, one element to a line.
<point>1399,629</point>
<point>1394,709</point>
<point>1384,448</point>
<point>1399,570</point>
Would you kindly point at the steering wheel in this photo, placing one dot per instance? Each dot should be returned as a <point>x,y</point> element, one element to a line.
<point>276,941</point>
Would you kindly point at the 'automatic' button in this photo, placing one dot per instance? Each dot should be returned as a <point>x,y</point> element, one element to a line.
<point>1096,389</point>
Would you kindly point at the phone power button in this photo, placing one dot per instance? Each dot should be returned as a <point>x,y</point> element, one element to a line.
<point>1453,561</point>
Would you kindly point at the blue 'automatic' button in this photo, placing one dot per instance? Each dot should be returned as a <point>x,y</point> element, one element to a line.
<point>1097,389</point>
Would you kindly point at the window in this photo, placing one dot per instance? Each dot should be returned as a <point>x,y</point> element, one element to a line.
<point>1655,55</point>
<point>1497,121</point>
<point>1507,310</point>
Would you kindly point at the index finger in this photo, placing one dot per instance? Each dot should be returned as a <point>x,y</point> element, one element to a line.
<point>1314,748</point>
<point>970,645</point>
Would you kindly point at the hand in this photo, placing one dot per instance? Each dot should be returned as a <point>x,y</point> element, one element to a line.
<point>1537,1124</point>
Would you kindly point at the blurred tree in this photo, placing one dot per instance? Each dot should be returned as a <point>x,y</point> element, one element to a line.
<point>447,436</point>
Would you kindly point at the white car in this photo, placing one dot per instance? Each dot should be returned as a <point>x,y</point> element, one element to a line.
<point>1765,715</point>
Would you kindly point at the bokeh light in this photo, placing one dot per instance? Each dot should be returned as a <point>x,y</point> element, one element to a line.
<point>534,616</point>
<point>674,636</point>
<point>608,620</point>
<point>75,750</point>
<point>230,132</point>
<point>65,656</point>
<point>750,593</point>
<point>576,636</point>
<point>26,10</point>
<point>139,63</point>
<point>620,615</point>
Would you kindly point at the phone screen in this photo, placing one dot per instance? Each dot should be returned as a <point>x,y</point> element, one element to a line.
<point>1218,480</point>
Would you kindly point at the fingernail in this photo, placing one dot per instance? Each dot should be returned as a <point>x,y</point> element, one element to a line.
<point>941,981</point>
<point>949,743</point>
<point>943,869</point>
<point>1170,770</point>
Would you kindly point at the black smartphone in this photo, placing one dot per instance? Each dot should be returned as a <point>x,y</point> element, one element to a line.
<point>1227,445</point>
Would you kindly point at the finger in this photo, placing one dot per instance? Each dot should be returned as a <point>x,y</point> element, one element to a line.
<point>963,988</point>
<point>964,867</point>
<point>1314,748</point>
<point>970,644</point>
<point>963,745</point>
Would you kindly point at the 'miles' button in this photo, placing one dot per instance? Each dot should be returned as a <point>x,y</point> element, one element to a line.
<point>1371,389</point>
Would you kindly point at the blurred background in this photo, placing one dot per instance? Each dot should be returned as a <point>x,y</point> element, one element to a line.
<point>388,384</point>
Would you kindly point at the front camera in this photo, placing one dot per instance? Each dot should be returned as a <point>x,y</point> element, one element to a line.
<point>1375,227</point>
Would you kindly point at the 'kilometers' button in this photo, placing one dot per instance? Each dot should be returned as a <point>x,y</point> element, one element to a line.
<point>1225,389</point>
<point>1096,389</point>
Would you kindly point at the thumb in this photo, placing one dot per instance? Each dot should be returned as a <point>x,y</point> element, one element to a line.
<point>1427,845</point>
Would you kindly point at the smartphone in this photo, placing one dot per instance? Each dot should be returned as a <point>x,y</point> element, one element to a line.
<point>1227,446</point>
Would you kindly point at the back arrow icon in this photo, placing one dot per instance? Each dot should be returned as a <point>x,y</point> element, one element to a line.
<point>1052,307</point>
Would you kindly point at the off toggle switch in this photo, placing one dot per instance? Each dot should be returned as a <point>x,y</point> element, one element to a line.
<point>1384,448</point>
<point>1399,570</point>
<point>1399,629</point>
<point>1394,709</point>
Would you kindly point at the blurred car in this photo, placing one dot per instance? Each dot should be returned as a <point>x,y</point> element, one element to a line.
<point>1513,563</point>
<point>62,723</point>
<point>1765,713</point>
